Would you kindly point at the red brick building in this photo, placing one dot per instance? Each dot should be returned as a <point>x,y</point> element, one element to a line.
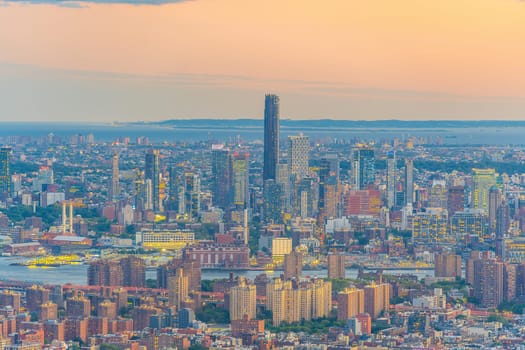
<point>212,255</point>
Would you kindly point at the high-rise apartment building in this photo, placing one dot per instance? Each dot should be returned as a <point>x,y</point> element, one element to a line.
<point>5,170</point>
<point>36,296</point>
<point>469,268</point>
<point>142,315</point>
<point>488,282</point>
<point>10,298</point>
<point>191,268</point>
<point>129,272</point>
<point>78,306</point>
<point>243,301</point>
<point>178,288</point>
<point>292,301</point>
<point>336,265</point>
<point>133,272</point>
<point>222,172</point>
<point>271,136</point>
<point>483,180</point>
<point>363,167</point>
<point>293,265</point>
<point>48,311</point>
<point>76,328</point>
<point>53,330</point>
<point>321,298</point>
<point>350,302</point>
<point>152,173</point>
<point>447,265</point>
<point>377,298</point>
<point>107,309</point>
<point>104,272</point>
<point>283,300</point>
<point>298,155</point>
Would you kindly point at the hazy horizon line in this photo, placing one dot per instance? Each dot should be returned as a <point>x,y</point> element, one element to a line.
<point>139,121</point>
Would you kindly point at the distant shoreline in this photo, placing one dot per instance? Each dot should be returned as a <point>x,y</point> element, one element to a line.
<point>294,123</point>
<point>452,133</point>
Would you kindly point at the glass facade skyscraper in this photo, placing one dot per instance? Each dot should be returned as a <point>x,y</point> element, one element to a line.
<point>364,167</point>
<point>271,136</point>
<point>152,173</point>
<point>221,167</point>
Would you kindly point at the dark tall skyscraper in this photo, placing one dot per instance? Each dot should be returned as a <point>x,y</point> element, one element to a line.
<point>5,170</point>
<point>152,173</point>
<point>271,136</point>
<point>221,167</point>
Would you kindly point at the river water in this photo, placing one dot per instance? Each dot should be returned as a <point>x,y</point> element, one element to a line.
<point>77,274</point>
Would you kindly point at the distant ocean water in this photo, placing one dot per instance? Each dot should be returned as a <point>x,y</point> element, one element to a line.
<point>323,132</point>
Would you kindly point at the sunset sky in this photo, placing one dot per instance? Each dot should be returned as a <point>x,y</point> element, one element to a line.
<point>340,59</point>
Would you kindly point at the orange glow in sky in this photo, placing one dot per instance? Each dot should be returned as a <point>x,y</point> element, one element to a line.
<point>407,53</point>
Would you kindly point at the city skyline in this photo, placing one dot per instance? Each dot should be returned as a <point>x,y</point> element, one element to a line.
<point>104,238</point>
<point>110,60</point>
<point>150,200</point>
